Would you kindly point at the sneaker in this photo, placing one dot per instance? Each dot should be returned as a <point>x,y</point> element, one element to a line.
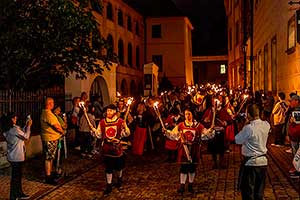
<point>24,196</point>
<point>108,189</point>
<point>289,150</point>
<point>190,188</point>
<point>181,189</point>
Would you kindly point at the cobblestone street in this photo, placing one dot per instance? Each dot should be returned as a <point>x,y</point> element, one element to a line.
<point>150,177</point>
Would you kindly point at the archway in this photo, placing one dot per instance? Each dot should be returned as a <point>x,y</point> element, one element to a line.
<point>99,90</point>
<point>124,87</point>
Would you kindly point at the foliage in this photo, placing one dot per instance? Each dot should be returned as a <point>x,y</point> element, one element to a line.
<point>49,39</point>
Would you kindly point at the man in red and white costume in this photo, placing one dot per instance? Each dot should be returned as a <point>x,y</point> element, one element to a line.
<point>189,133</point>
<point>111,130</point>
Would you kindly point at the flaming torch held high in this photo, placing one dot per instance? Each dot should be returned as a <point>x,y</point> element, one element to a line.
<point>245,97</point>
<point>155,106</point>
<point>129,102</point>
<point>82,106</point>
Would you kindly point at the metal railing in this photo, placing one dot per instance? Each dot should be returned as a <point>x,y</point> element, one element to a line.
<point>28,102</point>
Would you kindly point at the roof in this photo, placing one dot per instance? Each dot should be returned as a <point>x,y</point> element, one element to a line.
<point>155,8</point>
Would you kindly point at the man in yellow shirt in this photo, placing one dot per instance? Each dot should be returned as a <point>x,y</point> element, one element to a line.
<point>51,131</point>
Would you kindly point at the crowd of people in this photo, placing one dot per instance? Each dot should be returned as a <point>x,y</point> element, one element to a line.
<point>177,122</point>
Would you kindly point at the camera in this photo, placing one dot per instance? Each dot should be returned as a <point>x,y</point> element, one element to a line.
<point>296,115</point>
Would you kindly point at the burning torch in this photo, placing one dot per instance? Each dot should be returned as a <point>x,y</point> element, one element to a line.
<point>81,105</point>
<point>129,102</point>
<point>155,106</point>
<point>243,102</point>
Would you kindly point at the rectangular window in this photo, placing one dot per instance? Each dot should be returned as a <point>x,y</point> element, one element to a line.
<point>260,70</point>
<point>237,33</point>
<point>274,63</point>
<point>158,60</point>
<point>266,67</point>
<point>222,69</point>
<point>291,38</point>
<point>156,31</point>
<point>230,39</point>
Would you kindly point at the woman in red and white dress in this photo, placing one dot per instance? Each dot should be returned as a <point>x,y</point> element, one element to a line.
<point>189,135</point>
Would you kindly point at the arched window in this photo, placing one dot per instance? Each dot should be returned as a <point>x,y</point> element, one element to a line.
<point>110,42</point>
<point>129,24</point>
<point>137,57</point>
<point>124,87</point>
<point>129,55</point>
<point>109,11</point>
<point>137,28</point>
<point>120,17</point>
<point>121,51</point>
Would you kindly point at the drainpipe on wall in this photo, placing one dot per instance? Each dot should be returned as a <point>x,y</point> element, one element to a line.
<point>251,44</point>
<point>244,47</point>
<point>145,40</point>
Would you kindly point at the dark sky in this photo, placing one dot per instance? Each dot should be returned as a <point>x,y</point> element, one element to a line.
<point>209,20</point>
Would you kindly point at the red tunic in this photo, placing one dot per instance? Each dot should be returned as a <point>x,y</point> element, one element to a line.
<point>170,123</point>
<point>229,129</point>
<point>192,137</point>
<point>111,130</point>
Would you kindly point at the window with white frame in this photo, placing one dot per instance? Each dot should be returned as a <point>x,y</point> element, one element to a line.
<point>291,35</point>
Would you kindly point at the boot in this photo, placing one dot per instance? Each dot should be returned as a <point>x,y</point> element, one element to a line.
<point>119,182</point>
<point>50,180</point>
<point>181,189</point>
<point>108,189</point>
<point>190,188</point>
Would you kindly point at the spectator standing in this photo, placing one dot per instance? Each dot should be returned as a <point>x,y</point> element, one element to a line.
<point>51,132</point>
<point>253,138</point>
<point>294,131</point>
<point>15,137</point>
<point>278,119</point>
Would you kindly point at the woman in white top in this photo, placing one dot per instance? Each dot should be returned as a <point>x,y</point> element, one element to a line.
<point>15,137</point>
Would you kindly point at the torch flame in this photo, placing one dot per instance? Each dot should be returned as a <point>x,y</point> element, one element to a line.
<point>245,96</point>
<point>81,104</point>
<point>118,94</point>
<point>129,101</point>
<point>161,94</point>
<point>155,104</point>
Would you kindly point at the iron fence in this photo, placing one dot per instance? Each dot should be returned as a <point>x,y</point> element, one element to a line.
<point>28,102</point>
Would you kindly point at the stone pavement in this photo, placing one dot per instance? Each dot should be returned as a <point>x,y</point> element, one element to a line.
<point>150,177</point>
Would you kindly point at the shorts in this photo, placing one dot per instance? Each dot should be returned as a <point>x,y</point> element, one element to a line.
<point>49,149</point>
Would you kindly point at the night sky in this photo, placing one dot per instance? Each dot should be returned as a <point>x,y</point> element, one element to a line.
<point>209,20</point>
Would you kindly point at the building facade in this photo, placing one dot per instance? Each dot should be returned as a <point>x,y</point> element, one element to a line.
<point>235,42</point>
<point>139,39</point>
<point>169,46</point>
<point>276,57</point>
